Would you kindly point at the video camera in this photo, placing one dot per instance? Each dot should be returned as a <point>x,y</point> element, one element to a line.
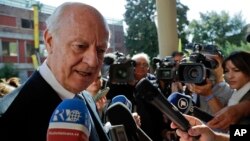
<point>209,64</point>
<point>122,70</point>
<point>165,68</point>
<point>195,69</point>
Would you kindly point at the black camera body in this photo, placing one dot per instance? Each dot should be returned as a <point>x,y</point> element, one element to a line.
<point>194,70</point>
<point>122,73</point>
<point>165,69</point>
<point>192,73</point>
<point>200,67</point>
<point>122,69</point>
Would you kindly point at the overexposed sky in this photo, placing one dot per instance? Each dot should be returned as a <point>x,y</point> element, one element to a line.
<point>115,8</point>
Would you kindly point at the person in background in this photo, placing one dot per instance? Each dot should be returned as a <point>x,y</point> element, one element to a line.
<point>14,81</point>
<point>76,38</point>
<point>177,56</point>
<point>213,95</point>
<point>94,88</point>
<point>152,120</point>
<point>199,129</point>
<point>236,70</point>
<point>5,89</point>
<point>142,67</point>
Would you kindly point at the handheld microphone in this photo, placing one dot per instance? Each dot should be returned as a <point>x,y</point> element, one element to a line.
<point>70,121</point>
<point>119,114</point>
<point>101,93</point>
<point>123,99</point>
<point>151,94</point>
<point>186,105</point>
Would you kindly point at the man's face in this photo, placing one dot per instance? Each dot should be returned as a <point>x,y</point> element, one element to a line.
<point>76,51</point>
<point>141,68</point>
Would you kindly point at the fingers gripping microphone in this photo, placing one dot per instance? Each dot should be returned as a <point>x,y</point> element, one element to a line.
<point>185,104</point>
<point>148,92</point>
<point>70,121</point>
<point>118,113</point>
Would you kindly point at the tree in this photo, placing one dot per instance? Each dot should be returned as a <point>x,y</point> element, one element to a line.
<point>8,70</point>
<point>141,34</point>
<point>214,28</point>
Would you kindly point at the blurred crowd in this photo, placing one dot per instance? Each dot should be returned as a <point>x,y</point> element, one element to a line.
<point>8,85</point>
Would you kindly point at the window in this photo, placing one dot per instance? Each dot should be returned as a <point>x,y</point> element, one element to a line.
<point>30,49</point>
<point>27,23</point>
<point>9,48</point>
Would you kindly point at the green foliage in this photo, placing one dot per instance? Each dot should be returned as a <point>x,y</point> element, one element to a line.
<point>141,34</point>
<point>8,70</point>
<point>229,48</point>
<point>214,28</point>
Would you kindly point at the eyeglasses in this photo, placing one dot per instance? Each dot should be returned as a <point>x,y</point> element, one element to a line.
<point>145,65</point>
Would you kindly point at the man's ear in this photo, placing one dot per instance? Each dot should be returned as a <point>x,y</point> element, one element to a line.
<point>47,37</point>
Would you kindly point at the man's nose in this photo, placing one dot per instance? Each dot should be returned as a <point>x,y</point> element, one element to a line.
<point>90,57</point>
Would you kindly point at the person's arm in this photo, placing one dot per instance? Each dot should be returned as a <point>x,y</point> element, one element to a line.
<point>206,90</point>
<point>199,131</point>
<point>230,115</point>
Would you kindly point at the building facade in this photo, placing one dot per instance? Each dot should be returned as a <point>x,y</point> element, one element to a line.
<point>17,35</point>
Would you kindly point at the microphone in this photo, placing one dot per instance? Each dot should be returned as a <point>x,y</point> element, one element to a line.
<point>123,99</point>
<point>119,113</point>
<point>70,121</point>
<point>186,105</point>
<point>101,93</point>
<point>151,94</point>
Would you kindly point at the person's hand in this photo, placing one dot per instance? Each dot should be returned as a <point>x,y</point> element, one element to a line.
<point>204,90</point>
<point>198,129</point>
<point>226,116</point>
<point>176,87</point>
<point>137,118</point>
<point>100,104</point>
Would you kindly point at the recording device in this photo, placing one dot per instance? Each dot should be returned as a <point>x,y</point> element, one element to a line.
<point>119,114</point>
<point>209,64</point>
<point>122,99</point>
<point>117,133</point>
<point>168,71</point>
<point>122,70</point>
<point>165,68</point>
<point>101,93</point>
<point>70,121</point>
<point>186,105</point>
<point>151,94</point>
<point>195,69</point>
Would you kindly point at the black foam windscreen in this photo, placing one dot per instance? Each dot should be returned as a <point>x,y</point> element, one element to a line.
<point>118,114</point>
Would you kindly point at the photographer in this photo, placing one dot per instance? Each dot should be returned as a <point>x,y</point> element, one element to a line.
<point>212,96</point>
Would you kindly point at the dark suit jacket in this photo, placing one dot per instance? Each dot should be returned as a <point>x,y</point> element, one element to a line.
<point>27,118</point>
<point>97,131</point>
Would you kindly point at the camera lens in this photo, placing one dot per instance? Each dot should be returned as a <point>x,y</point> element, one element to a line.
<point>121,73</point>
<point>193,74</point>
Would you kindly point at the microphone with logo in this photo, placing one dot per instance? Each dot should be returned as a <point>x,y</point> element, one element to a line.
<point>70,121</point>
<point>186,105</point>
<point>119,113</point>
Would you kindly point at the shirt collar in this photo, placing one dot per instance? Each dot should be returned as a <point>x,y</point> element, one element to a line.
<point>51,80</point>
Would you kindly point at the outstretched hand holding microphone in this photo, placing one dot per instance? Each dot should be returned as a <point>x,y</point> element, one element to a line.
<point>198,129</point>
